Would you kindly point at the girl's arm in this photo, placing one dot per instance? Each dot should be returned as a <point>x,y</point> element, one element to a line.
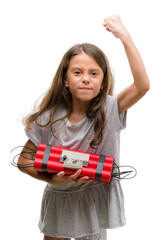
<point>55,179</point>
<point>141,85</point>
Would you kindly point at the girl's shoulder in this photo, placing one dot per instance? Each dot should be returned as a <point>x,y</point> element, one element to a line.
<point>113,117</point>
<point>111,102</point>
<point>45,116</point>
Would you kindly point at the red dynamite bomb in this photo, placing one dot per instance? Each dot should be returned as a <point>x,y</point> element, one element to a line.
<point>54,159</point>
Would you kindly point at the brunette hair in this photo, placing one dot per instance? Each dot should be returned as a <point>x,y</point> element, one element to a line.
<point>60,94</point>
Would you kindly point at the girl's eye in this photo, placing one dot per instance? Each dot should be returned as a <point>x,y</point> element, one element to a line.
<point>94,74</point>
<point>77,72</point>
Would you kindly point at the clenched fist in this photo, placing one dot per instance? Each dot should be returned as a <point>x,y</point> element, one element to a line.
<point>114,25</point>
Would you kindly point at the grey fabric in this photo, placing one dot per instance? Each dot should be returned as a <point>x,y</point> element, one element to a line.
<point>100,236</point>
<point>78,210</point>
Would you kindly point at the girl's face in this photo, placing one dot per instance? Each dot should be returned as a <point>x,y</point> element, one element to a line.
<point>84,78</point>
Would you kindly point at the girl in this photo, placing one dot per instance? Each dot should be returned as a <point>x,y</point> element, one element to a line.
<point>79,112</point>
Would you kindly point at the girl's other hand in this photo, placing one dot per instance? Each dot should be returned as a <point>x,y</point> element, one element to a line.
<point>114,25</point>
<point>61,178</point>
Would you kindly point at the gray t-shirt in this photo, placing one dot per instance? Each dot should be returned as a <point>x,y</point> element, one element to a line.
<point>87,207</point>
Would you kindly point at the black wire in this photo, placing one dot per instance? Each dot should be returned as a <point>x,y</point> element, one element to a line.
<point>32,153</point>
<point>134,170</point>
<point>24,165</point>
<point>27,157</point>
<point>18,165</point>
<point>23,147</point>
<point>117,175</point>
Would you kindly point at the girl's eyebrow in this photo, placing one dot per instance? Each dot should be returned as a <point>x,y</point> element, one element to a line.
<point>94,69</point>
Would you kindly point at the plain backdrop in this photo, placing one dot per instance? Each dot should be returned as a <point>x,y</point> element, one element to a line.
<point>34,36</point>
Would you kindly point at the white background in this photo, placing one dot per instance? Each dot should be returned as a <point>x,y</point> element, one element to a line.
<point>34,36</point>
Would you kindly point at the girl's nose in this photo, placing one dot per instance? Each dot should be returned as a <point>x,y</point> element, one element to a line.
<point>86,79</point>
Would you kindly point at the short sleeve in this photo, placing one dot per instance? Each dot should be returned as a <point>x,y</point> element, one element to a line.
<point>117,120</point>
<point>34,134</point>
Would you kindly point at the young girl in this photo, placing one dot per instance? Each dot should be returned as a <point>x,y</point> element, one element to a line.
<point>79,112</point>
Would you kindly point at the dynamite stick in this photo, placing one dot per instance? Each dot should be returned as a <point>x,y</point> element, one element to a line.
<point>55,159</point>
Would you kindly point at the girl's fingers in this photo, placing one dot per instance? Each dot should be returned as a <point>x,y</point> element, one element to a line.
<point>83,180</point>
<point>60,174</point>
<point>106,24</point>
<point>61,177</point>
<point>108,28</point>
<point>75,175</point>
<point>71,177</point>
<point>106,19</point>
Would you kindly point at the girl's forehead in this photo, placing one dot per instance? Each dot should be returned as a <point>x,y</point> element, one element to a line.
<point>83,60</point>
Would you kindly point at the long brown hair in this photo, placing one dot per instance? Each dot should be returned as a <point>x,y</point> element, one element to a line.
<point>60,94</point>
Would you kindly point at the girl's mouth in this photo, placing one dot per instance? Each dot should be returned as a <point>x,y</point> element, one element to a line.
<point>85,89</point>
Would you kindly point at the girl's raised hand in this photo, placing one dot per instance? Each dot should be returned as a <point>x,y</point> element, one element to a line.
<point>61,178</point>
<point>114,25</point>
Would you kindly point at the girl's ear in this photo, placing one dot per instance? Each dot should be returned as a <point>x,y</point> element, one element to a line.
<point>66,83</point>
<point>102,86</point>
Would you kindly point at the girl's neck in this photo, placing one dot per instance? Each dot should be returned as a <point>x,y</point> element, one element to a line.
<point>80,108</point>
<point>78,113</point>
